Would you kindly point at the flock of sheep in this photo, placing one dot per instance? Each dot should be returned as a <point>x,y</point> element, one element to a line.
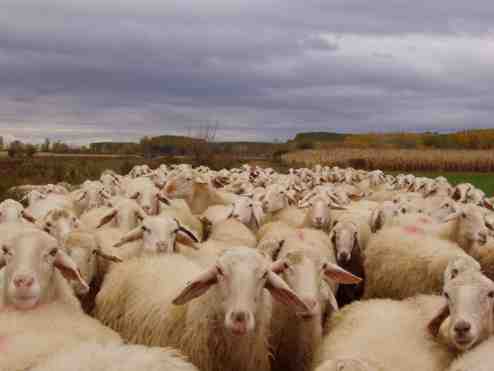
<point>247,269</point>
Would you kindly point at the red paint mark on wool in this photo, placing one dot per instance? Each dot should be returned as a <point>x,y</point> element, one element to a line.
<point>413,229</point>
<point>3,343</point>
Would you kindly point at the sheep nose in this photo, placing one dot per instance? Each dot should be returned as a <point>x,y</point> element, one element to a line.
<point>239,316</point>
<point>23,281</point>
<point>462,327</point>
<point>343,256</point>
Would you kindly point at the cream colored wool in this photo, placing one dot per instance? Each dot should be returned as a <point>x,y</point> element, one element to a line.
<point>97,357</point>
<point>393,333</point>
<point>130,303</point>
<point>28,337</point>
<point>403,262</point>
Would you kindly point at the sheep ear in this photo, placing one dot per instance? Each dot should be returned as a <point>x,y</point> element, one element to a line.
<point>356,242</point>
<point>28,216</point>
<point>336,206</point>
<point>338,274</point>
<point>107,218</point>
<point>133,235</point>
<point>135,195</point>
<point>452,216</point>
<point>69,269</point>
<point>197,287</point>
<point>80,195</point>
<point>281,292</point>
<point>332,300</point>
<point>186,237</point>
<point>258,213</point>
<point>163,199</point>
<point>113,258</point>
<point>435,324</point>
<point>488,204</point>
<point>376,220</point>
<point>3,263</point>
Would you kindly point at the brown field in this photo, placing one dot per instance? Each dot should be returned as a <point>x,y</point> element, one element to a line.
<point>406,160</point>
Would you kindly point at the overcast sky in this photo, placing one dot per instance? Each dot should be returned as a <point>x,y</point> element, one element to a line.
<point>90,70</point>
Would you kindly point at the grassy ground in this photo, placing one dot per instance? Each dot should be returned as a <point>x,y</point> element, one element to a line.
<point>483,181</point>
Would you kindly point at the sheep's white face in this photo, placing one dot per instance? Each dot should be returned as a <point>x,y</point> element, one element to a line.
<point>471,227</point>
<point>148,199</point>
<point>29,262</point>
<point>347,365</point>
<point>125,214</point>
<point>90,197</point>
<point>319,213</point>
<point>471,306</point>
<point>59,223</point>
<point>159,235</point>
<point>344,237</point>
<point>274,200</point>
<point>180,186</point>
<point>241,280</point>
<point>303,272</point>
<point>240,275</point>
<point>82,252</point>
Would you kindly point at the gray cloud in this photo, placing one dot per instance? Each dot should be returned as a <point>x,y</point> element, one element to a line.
<point>118,70</point>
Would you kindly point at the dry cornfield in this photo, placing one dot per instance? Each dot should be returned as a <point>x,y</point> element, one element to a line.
<point>397,159</point>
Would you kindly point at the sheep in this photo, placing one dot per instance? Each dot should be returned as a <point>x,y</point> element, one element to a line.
<point>51,201</point>
<point>145,193</point>
<point>91,261</point>
<point>197,191</point>
<point>396,250</point>
<point>431,330</point>
<point>59,223</point>
<point>349,238</point>
<point>111,357</point>
<point>226,327</point>
<point>311,272</point>
<point>39,314</point>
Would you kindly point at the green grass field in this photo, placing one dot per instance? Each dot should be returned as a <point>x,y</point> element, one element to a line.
<point>483,181</point>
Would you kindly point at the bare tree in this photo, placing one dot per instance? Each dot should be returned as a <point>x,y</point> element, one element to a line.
<point>202,145</point>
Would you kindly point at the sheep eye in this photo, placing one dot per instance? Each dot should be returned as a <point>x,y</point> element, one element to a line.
<point>54,252</point>
<point>446,295</point>
<point>454,273</point>
<point>464,216</point>
<point>5,250</point>
<point>49,225</point>
<point>265,275</point>
<point>145,229</point>
<point>491,294</point>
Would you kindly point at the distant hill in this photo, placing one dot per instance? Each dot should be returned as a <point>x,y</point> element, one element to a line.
<point>183,145</point>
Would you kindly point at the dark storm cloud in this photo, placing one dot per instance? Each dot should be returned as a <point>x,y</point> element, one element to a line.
<point>117,70</point>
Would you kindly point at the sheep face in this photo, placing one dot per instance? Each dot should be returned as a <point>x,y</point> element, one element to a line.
<point>30,261</point>
<point>348,364</point>
<point>274,200</point>
<point>90,197</point>
<point>148,198</point>
<point>181,186</point>
<point>59,223</point>
<point>471,228</point>
<point>240,277</point>
<point>308,275</point>
<point>85,252</point>
<point>467,316</point>
<point>125,214</point>
<point>319,213</point>
<point>159,234</point>
<point>245,210</point>
<point>344,237</point>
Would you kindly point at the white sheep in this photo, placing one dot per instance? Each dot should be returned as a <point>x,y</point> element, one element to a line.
<point>349,364</point>
<point>226,327</point>
<point>431,329</point>
<point>111,357</point>
<point>402,262</point>
<point>39,314</point>
<point>310,271</point>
